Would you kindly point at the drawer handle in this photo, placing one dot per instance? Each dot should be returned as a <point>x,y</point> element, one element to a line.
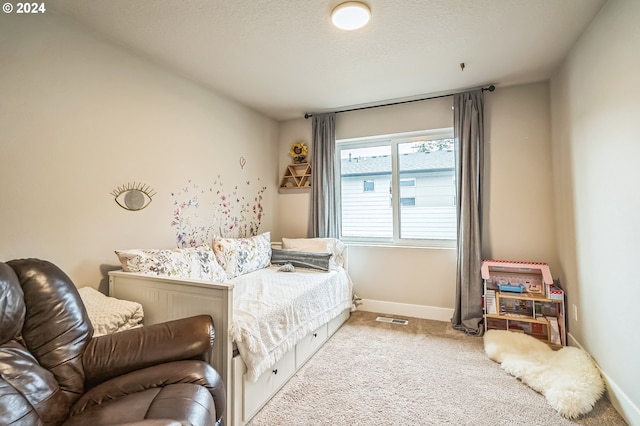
<point>315,334</point>
<point>275,371</point>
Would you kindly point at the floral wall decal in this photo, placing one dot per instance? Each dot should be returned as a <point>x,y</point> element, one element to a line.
<point>200,214</point>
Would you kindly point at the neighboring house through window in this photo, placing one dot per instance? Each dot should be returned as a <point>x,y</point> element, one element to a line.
<point>416,169</point>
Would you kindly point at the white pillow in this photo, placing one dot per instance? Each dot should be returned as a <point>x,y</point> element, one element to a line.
<point>318,245</point>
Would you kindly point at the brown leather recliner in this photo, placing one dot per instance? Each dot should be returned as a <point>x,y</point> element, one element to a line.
<point>53,372</point>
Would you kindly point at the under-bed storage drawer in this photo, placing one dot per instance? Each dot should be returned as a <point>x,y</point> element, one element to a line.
<point>334,324</point>
<point>310,344</point>
<point>258,393</point>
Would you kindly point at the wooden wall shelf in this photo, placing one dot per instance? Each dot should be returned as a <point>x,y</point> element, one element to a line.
<point>297,176</point>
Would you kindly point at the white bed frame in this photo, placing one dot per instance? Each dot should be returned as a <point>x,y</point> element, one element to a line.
<point>165,299</point>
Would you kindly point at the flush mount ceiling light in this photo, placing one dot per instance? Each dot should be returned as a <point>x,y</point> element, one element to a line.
<point>351,15</point>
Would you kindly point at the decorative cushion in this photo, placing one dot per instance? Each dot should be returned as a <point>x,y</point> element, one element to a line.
<point>203,263</point>
<point>318,245</point>
<point>239,256</point>
<point>198,263</point>
<point>301,259</point>
<point>287,267</point>
<point>109,315</point>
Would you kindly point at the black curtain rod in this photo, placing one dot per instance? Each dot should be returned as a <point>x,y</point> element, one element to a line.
<point>490,89</point>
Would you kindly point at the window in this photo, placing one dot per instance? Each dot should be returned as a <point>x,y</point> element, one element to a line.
<point>398,189</point>
<point>408,201</point>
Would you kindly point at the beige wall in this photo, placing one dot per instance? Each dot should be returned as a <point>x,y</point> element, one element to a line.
<point>293,220</point>
<point>80,117</point>
<point>596,146</point>
<point>519,220</point>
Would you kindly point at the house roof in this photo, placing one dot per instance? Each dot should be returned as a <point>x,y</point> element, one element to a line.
<point>414,162</point>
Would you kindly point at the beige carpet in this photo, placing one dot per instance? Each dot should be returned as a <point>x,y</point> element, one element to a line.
<point>425,373</point>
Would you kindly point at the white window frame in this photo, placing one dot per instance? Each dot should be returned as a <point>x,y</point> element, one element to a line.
<point>394,140</point>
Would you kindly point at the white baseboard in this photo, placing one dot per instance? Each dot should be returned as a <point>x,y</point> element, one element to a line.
<point>407,310</point>
<point>618,398</point>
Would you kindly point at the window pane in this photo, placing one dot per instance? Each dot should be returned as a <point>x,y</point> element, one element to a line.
<point>427,208</point>
<point>366,213</point>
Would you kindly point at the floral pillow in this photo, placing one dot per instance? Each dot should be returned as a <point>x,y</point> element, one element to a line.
<point>203,264</point>
<point>198,263</point>
<point>239,256</point>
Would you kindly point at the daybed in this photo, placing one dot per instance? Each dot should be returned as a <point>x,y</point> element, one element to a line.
<point>269,322</point>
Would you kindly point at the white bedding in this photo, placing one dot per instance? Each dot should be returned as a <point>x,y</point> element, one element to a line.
<point>108,314</point>
<point>274,310</point>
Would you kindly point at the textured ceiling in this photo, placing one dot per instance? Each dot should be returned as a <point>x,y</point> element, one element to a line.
<point>284,58</point>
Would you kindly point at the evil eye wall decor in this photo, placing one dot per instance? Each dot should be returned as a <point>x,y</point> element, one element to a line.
<point>133,196</point>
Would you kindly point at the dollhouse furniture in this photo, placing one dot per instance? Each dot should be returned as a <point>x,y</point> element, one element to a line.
<point>522,297</point>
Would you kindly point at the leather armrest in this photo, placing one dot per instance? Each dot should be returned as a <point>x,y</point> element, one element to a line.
<point>119,353</point>
<point>188,371</point>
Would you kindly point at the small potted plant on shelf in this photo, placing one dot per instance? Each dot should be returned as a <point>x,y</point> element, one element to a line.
<point>298,152</point>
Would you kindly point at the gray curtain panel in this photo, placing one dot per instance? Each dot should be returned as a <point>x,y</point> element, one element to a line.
<point>324,204</point>
<point>468,130</point>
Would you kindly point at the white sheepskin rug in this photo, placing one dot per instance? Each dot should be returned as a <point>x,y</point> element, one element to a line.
<point>568,377</point>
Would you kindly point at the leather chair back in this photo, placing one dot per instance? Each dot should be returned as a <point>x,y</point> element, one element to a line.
<point>44,332</point>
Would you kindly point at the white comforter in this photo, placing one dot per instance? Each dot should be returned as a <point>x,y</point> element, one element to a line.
<point>274,310</point>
